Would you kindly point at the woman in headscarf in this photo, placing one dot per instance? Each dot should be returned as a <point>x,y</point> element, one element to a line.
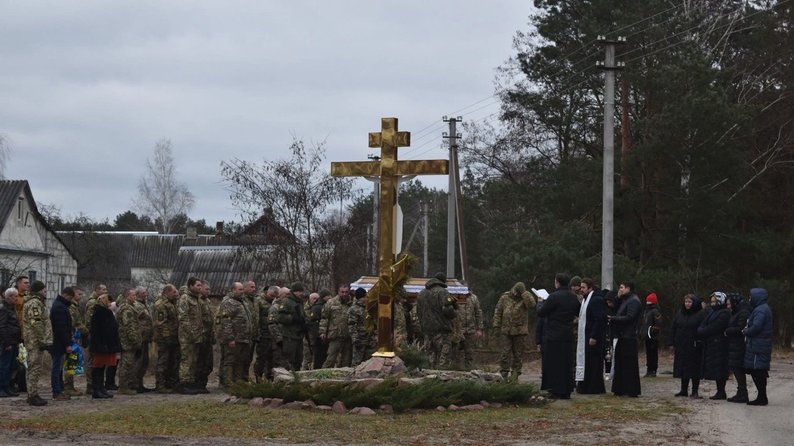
<point>105,344</point>
<point>688,350</point>
<point>739,312</point>
<point>712,331</point>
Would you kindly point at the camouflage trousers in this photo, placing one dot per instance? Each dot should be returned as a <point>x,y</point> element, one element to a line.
<point>35,366</point>
<point>127,377</point>
<point>141,364</point>
<point>88,361</point>
<point>511,356</point>
<point>167,370</point>
<point>308,354</point>
<point>235,363</point>
<point>466,349</point>
<point>188,362</point>
<point>265,359</point>
<point>362,350</point>
<point>340,352</point>
<point>291,354</point>
<point>438,348</point>
<point>204,363</point>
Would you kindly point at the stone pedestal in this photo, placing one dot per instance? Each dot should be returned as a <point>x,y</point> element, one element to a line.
<point>380,367</point>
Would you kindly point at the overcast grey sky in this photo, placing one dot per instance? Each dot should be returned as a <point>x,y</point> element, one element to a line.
<point>88,87</point>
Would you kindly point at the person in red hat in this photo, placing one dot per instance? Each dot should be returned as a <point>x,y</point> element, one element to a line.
<point>651,327</point>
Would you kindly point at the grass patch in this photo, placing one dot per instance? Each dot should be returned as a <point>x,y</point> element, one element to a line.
<point>428,394</point>
<point>196,419</point>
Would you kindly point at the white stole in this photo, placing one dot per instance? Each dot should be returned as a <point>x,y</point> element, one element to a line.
<point>581,340</point>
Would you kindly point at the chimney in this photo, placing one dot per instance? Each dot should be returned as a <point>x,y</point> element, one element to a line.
<point>218,229</point>
<point>191,233</point>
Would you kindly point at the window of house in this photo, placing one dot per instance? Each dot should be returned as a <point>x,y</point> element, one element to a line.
<point>32,275</point>
<point>19,208</point>
<point>62,283</point>
<point>5,277</point>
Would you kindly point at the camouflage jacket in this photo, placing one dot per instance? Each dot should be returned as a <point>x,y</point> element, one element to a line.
<point>129,327</point>
<point>333,321</point>
<point>77,320</point>
<point>273,325</point>
<point>263,308</point>
<point>233,322</point>
<point>144,320</point>
<point>511,316</point>
<point>89,312</point>
<point>207,320</point>
<point>357,324</point>
<point>291,319</point>
<point>251,304</point>
<point>189,313</point>
<point>166,321</point>
<point>436,309</point>
<point>470,315</point>
<point>37,326</point>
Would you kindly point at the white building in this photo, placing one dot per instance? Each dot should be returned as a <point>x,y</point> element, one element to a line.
<point>27,243</point>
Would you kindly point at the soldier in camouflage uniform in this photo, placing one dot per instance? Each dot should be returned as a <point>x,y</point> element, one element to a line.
<point>131,342</point>
<point>320,348</point>
<point>233,327</point>
<point>166,337</point>
<point>511,322</point>
<point>470,319</point>
<point>146,324</point>
<point>99,289</point>
<point>191,332</point>
<point>333,329</point>
<point>291,326</point>
<point>37,338</point>
<point>205,356</point>
<point>313,325</point>
<point>265,347</point>
<point>250,300</point>
<point>79,327</point>
<point>437,310</point>
<point>363,341</point>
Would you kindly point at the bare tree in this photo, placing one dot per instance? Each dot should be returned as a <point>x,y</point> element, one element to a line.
<point>300,193</point>
<point>160,195</point>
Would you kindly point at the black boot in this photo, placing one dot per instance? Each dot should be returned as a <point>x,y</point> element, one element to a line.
<point>720,395</point>
<point>741,387</point>
<point>695,387</point>
<point>110,378</point>
<point>684,386</point>
<point>760,383</point>
<point>98,378</point>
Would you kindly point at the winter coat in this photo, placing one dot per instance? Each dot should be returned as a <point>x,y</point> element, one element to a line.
<point>314,315</point>
<point>511,314</point>
<point>715,348</point>
<point>652,322</point>
<point>191,327</point>
<point>144,321</point>
<point>104,331</point>
<point>627,320</point>
<point>129,327</point>
<point>10,331</point>
<point>233,321</point>
<point>166,321</point>
<point>758,333</point>
<point>291,318</point>
<point>436,309</point>
<point>559,310</point>
<point>735,336</point>
<point>683,336</point>
<point>62,329</point>
<point>333,318</point>
<point>595,318</point>
<point>36,327</point>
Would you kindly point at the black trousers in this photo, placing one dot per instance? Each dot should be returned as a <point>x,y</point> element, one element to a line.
<point>651,355</point>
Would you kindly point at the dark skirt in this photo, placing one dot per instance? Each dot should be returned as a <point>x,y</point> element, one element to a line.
<point>627,368</point>
<point>558,366</point>
<point>593,372</point>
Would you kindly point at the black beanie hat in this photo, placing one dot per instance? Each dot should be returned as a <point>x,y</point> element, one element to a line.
<point>37,286</point>
<point>361,292</point>
<point>297,286</point>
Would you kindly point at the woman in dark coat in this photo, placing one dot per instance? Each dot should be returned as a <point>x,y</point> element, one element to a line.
<point>739,312</point>
<point>758,347</point>
<point>105,344</point>
<point>715,355</point>
<point>688,350</point>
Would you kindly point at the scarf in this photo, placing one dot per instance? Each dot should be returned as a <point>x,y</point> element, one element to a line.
<point>581,340</point>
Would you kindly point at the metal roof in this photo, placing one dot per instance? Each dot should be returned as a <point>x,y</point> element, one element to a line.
<point>224,265</point>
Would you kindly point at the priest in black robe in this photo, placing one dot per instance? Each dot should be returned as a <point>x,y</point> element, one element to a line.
<point>625,324</point>
<point>559,310</point>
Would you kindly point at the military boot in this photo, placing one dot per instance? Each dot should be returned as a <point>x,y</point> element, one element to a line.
<point>514,376</point>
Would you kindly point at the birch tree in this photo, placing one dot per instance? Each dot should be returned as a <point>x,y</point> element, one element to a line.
<point>161,196</point>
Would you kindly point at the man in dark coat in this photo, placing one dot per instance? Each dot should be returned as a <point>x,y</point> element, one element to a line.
<point>590,342</point>
<point>739,313</point>
<point>651,326</point>
<point>10,337</point>
<point>560,310</point>
<point>625,324</point>
<point>758,349</point>
<point>715,345</point>
<point>62,332</point>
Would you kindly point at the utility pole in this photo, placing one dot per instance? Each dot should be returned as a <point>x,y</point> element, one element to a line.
<point>425,236</point>
<point>452,192</point>
<point>608,206</point>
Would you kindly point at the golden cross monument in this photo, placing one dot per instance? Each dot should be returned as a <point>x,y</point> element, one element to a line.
<point>389,169</point>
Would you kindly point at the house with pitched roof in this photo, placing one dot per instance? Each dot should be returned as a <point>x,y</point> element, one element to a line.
<point>28,245</point>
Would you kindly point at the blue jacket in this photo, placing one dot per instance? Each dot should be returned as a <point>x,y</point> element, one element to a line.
<point>758,333</point>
